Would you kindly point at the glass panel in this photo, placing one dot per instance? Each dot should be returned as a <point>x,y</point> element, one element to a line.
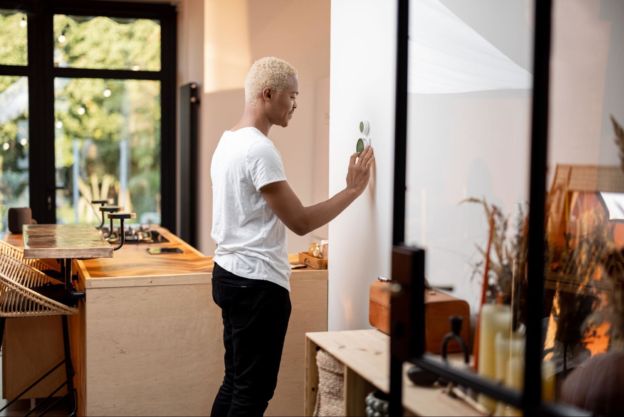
<point>106,43</point>
<point>468,169</point>
<point>13,145</point>
<point>585,285</point>
<point>13,35</point>
<point>107,146</point>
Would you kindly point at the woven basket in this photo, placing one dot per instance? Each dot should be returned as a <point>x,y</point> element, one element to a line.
<point>17,297</point>
<point>330,398</point>
<point>18,254</point>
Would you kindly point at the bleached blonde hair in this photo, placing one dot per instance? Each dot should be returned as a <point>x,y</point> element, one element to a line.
<point>267,72</point>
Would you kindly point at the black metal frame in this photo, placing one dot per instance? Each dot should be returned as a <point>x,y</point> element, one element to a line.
<point>189,157</point>
<point>41,72</point>
<point>408,263</point>
<point>71,395</point>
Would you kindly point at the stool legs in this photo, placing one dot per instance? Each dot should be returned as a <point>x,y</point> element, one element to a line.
<point>69,373</point>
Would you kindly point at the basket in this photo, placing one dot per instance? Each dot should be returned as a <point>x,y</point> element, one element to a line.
<point>18,254</point>
<point>17,295</point>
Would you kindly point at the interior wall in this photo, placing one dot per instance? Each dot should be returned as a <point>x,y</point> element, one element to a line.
<point>469,145</point>
<point>297,31</point>
<point>586,81</point>
<point>362,86</point>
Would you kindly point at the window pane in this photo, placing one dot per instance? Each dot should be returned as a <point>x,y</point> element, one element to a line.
<point>469,101</point>
<point>584,290</point>
<point>104,42</point>
<point>13,38</point>
<point>13,145</point>
<point>107,146</point>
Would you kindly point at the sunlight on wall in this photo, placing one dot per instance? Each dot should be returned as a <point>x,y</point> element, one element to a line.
<point>227,52</point>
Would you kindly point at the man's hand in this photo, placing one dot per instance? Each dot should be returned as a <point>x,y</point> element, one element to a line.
<point>359,170</point>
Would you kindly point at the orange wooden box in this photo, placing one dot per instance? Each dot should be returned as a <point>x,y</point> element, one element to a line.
<point>439,307</point>
<point>311,261</point>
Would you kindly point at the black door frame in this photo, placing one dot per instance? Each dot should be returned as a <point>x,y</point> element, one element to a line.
<point>41,73</point>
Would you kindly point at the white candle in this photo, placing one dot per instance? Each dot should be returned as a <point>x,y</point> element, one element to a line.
<point>502,359</point>
<point>495,318</point>
<point>514,377</point>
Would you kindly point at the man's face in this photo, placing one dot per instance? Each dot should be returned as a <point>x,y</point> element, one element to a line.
<point>283,103</point>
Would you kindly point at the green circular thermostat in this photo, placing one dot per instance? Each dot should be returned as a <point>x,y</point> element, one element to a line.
<point>359,147</point>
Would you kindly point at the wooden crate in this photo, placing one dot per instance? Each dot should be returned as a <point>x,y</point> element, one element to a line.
<point>312,261</point>
<point>438,308</point>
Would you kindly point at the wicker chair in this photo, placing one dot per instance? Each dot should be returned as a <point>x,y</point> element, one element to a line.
<point>17,295</point>
<point>18,254</point>
<point>22,289</point>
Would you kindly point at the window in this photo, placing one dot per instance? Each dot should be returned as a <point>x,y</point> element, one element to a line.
<point>89,89</point>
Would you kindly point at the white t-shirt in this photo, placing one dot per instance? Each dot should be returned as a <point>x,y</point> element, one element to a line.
<point>251,239</point>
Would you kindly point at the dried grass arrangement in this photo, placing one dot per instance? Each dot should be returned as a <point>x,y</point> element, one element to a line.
<point>619,139</point>
<point>611,309</point>
<point>503,263</point>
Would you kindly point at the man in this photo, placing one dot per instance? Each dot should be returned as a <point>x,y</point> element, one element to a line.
<point>252,202</point>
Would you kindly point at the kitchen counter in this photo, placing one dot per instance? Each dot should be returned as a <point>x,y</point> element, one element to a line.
<point>148,338</point>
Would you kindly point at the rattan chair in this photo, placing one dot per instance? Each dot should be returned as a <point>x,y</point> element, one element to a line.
<point>21,295</point>
<point>18,254</point>
<point>18,297</point>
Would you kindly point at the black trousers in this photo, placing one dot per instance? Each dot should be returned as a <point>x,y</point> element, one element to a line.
<point>255,318</point>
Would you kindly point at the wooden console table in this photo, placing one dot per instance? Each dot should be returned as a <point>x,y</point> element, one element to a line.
<point>365,356</point>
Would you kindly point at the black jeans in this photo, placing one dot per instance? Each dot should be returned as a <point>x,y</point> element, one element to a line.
<point>255,318</point>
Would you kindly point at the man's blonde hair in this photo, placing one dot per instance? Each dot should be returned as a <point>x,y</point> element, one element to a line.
<point>267,72</point>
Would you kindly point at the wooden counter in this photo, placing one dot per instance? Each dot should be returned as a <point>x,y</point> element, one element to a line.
<point>148,339</point>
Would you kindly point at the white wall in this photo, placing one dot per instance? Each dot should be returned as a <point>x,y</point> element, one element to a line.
<point>363,39</point>
<point>297,31</point>
<point>587,81</point>
<point>471,144</point>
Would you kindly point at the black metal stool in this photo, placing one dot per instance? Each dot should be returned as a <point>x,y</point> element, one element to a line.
<point>28,292</point>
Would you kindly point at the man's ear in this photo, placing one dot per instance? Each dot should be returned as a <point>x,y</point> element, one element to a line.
<point>266,93</point>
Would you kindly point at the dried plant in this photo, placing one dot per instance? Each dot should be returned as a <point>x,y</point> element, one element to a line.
<point>504,264</point>
<point>589,276</point>
<point>611,310</point>
<point>619,139</point>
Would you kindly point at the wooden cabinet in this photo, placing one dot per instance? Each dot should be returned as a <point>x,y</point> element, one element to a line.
<point>365,357</point>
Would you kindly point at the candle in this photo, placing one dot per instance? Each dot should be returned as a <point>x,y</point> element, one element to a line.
<point>548,380</point>
<point>502,359</point>
<point>495,318</point>
<point>514,377</point>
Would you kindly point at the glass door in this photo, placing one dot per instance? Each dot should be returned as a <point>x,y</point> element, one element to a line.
<point>14,142</point>
<point>107,131</point>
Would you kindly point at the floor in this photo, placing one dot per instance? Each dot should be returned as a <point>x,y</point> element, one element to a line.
<point>21,407</point>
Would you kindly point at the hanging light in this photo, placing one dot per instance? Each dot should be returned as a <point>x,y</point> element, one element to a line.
<point>23,142</point>
<point>23,22</point>
<point>107,92</point>
<point>6,146</point>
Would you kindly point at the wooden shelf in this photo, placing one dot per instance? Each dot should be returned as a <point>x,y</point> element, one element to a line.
<point>365,355</point>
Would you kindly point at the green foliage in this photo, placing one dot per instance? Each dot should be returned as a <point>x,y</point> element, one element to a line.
<point>102,42</point>
<point>96,114</point>
<point>12,40</point>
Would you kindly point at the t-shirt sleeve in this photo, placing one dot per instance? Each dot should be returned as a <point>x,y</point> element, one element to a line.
<point>265,165</point>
